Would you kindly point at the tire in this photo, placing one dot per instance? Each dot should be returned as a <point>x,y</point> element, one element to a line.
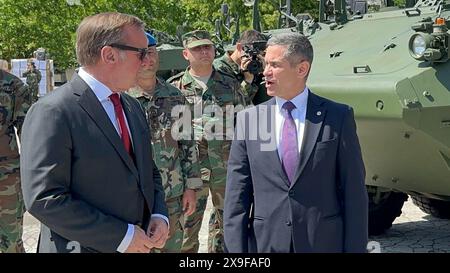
<point>435,207</point>
<point>383,213</point>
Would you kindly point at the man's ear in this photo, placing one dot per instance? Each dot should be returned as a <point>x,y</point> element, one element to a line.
<point>303,69</point>
<point>185,54</point>
<point>107,54</point>
<point>239,46</point>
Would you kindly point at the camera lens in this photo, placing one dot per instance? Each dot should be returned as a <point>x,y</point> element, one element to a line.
<point>254,67</point>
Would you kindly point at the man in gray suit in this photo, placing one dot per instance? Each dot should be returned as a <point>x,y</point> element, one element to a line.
<point>86,166</point>
<point>295,179</point>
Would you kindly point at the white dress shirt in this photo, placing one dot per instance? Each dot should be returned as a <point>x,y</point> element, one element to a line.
<point>298,114</point>
<point>102,92</point>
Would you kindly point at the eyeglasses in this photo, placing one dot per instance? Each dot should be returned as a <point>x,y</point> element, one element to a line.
<point>142,51</point>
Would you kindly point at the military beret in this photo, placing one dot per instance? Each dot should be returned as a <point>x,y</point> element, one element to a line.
<point>151,39</point>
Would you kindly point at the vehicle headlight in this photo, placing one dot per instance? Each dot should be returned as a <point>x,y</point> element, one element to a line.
<point>418,44</point>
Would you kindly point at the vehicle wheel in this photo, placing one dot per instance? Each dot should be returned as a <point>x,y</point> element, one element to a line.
<point>383,210</point>
<point>435,207</point>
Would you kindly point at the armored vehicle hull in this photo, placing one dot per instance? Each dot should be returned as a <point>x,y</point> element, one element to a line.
<point>402,108</point>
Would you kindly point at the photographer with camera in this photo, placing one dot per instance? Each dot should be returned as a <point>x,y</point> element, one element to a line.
<point>246,64</point>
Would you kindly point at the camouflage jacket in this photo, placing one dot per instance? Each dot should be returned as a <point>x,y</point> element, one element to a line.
<point>255,93</point>
<point>214,112</point>
<point>12,113</point>
<point>33,77</point>
<point>226,65</point>
<point>177,161</point>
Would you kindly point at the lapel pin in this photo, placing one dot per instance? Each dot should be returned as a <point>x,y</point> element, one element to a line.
<point>319,113</point>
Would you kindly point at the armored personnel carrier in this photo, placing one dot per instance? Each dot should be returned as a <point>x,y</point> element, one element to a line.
<point>392,68</point>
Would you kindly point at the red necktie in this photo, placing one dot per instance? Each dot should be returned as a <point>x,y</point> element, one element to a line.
<point>124,135</point>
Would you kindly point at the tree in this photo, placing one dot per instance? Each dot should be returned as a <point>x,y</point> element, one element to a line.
<point>28,25</point>
<point>51,24</point>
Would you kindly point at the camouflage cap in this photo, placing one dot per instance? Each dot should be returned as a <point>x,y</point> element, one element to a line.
<point>196,38</point>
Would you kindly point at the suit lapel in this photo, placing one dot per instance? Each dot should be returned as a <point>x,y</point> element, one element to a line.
<point>89,102</point>
<point>315,113</point>
<point>267,112</point>
<point>138,127</point>
<point>136,132</point>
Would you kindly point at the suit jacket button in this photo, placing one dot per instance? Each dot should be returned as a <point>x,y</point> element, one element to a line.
<point>291,193</point>
<point>288,223</point>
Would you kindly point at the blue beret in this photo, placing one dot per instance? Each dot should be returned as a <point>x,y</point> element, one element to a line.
<point>151,39</point>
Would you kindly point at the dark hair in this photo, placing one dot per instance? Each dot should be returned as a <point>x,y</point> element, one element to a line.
<point>250,36</point>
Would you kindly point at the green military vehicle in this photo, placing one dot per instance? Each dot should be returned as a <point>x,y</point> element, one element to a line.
<point>393,68</point>
<point>170,49</point>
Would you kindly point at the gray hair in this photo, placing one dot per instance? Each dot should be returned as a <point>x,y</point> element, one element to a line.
<point>96,31</point>
<point>298,47</point>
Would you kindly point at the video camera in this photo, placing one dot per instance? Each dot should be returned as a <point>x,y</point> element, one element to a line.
<point>252,50</point>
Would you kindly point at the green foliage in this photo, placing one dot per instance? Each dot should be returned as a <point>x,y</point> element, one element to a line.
<point>203,13</point>
<point>27,25</point>
<point>399,3</point>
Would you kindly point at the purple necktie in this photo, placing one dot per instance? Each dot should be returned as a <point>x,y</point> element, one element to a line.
<point>289,142</point>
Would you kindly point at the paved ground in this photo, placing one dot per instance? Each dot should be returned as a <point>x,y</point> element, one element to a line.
<point>413,231</point>
<point>30,233</point>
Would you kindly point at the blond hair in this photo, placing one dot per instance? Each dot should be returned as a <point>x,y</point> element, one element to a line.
<point>96,31</point>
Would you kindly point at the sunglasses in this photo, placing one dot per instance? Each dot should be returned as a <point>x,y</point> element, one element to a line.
<point>142,51</point>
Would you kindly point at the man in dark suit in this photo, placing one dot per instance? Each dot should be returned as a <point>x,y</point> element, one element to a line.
<point>295,179</point>
<point>86,166</point>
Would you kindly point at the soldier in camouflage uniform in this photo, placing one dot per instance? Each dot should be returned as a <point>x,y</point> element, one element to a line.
<point>176,160</point>
<point>209,93</point>
<point>235,64</point>
<point>12,114</point>
<point>33,76</point>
